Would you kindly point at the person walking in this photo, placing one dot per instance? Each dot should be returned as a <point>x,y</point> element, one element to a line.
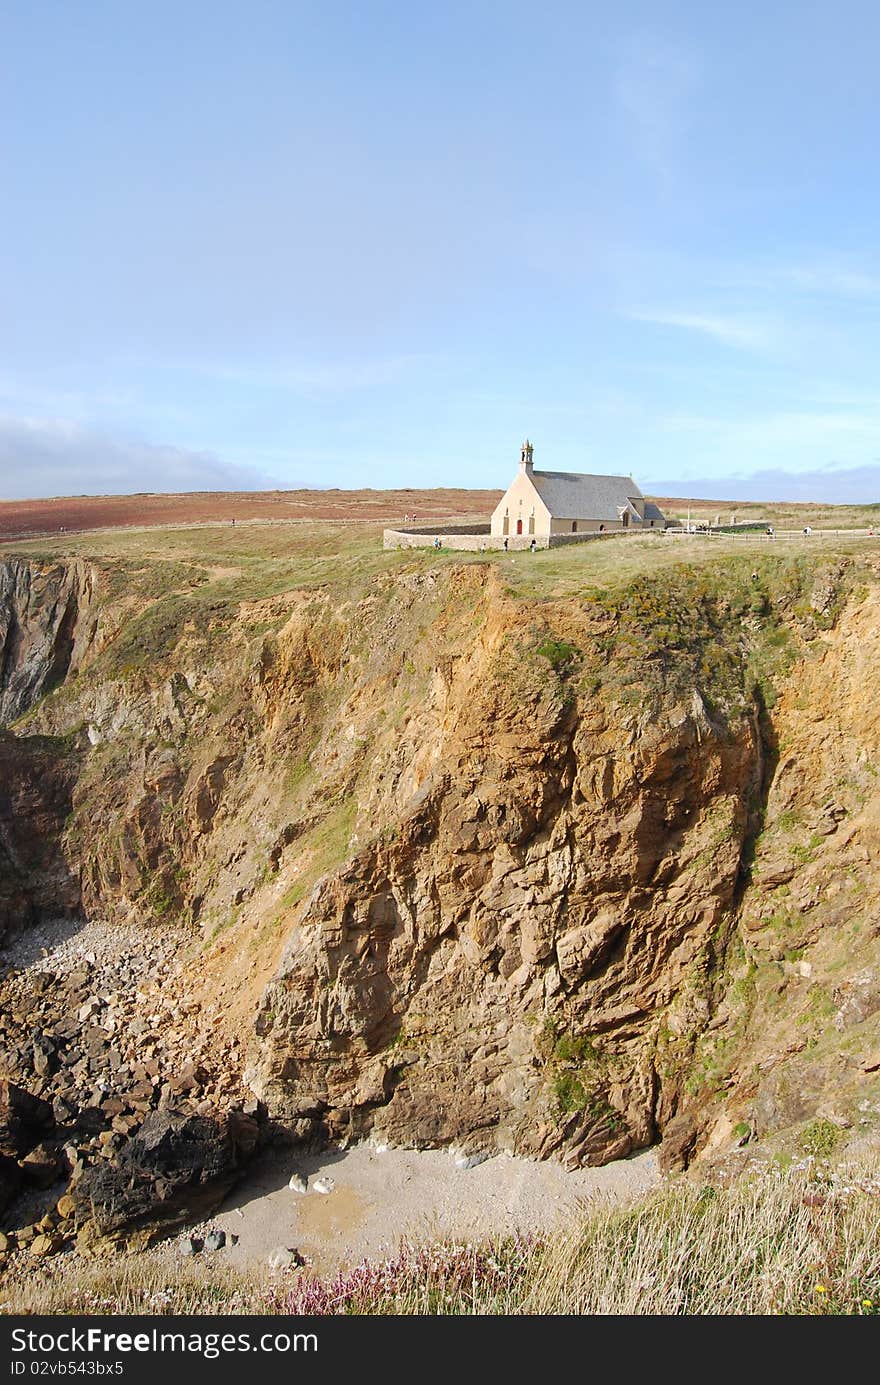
<point>532,546</point>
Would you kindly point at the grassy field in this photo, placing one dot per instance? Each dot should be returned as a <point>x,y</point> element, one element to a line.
<point>73,514</point>
<point>781,514</point>
<point>251,562</point>
<point>612,564</point>
<point>674,612</point>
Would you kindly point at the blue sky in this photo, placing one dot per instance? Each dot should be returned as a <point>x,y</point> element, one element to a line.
<point>340,244</point>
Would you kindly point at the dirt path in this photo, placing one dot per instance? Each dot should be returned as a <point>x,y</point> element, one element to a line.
<point>379,1196</point>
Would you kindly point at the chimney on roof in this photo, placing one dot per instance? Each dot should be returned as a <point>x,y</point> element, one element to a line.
<point>525,457</point>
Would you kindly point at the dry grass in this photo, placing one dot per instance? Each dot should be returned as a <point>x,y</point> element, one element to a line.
<point>251,562</point>
<point>801,1241</point>
<point>559,573</point>
<point>152,1282</point>
<point>774,1243</point>
<point>783,514</point>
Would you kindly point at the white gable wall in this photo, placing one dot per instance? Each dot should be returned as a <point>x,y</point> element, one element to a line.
<point>521,502</point>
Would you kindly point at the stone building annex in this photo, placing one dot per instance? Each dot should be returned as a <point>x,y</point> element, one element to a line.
<point>545,509</point>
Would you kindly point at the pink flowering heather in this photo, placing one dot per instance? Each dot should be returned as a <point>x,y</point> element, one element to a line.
<point>441,1278</point>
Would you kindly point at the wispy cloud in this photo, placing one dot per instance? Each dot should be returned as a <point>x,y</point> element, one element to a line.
<point>744,333</point>
<point>824,275</point>
<point>653,85</point>
<point>22,394</point>
<point>308,377</point>
<point>792,429</point>
<point>44,457</point>
<point>843,486</point>
<point>785,428</point>
<point>841,283</point>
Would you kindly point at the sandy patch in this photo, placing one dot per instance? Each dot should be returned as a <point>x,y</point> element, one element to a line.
<point>379,1197</point>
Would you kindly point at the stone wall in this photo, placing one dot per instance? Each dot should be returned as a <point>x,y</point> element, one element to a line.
<point>559,540</point>
<point>588,526</point>
<point>476,537</point>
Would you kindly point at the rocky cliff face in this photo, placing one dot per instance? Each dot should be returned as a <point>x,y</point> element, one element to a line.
<point>794,1043</point>
<point>37,777</point>
<point>455,867</point>
<point>494,973</point>
<point>48,627</point>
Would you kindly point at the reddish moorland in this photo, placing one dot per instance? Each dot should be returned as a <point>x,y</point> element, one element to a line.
<point>32,518</point>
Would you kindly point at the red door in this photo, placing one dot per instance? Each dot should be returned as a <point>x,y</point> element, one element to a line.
<point>519,526</point>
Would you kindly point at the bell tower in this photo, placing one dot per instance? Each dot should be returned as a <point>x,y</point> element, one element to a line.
<point>525,457</point>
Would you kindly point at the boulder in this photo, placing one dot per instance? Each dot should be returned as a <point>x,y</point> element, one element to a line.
<point>177,1169</point>
<point>43,1166</point>
<point>680,1138</point>
<point>24,1120</point>
<point>285,1258</point>
<point>44,1245</point>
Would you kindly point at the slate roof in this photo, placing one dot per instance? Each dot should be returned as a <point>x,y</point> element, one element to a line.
<point>654,512</point>
<point>572,495</point>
